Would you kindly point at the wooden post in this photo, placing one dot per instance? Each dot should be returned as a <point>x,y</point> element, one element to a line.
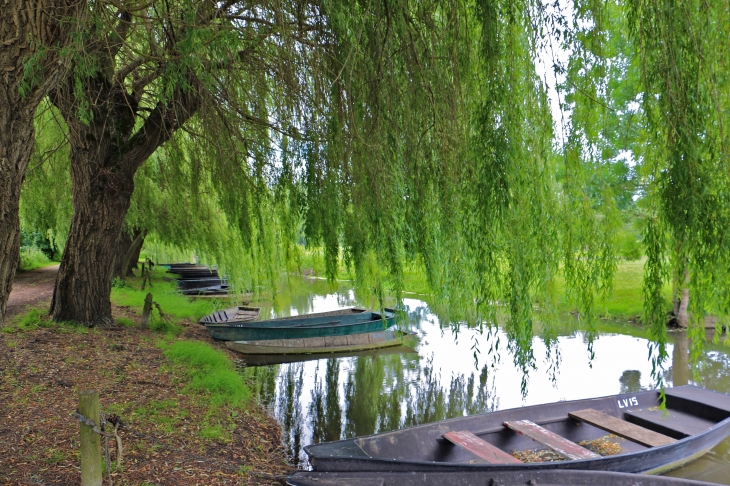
<point>146,311</point>
<point>146,275</point>
<point>90,440</point>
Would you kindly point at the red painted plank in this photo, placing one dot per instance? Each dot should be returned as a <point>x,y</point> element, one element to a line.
<point>480,448</point>
<point>559,444</point>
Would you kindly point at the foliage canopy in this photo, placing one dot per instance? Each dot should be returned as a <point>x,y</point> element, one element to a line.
<point>394,131</point>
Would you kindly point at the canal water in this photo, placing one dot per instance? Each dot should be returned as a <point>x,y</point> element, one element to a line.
<point>324,399</point>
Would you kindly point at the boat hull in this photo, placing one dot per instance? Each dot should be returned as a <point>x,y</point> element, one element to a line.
<point>273,359</point>
<point>301,327</point>
<point>428,452</point>
<point>322,345</point>
<point>470,478</point>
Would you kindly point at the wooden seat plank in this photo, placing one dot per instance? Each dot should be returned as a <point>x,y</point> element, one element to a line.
<point>673,423</point>
<point>622,428</point>
<point>699,401</point>
<point>480,448</point>
<point>552,440</point>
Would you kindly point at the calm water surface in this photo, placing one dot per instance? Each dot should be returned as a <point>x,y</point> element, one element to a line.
<point>330,399</point>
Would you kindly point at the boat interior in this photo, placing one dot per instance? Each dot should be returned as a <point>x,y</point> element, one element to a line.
<point>634,422</point>
<point>311,320</point>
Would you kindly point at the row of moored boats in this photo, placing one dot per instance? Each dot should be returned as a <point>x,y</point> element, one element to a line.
<point>198,280</point>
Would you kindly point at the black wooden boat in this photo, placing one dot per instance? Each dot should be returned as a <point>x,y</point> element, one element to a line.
<point>648,439</point>
<point>195,274</point>
<point>212,291</point>
<point>199,283</point>
<point>325,324</point>
<point>557,477</point>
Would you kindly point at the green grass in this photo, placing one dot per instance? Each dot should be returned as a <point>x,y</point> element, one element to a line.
<point>36,318</point>
<point>125,322</point>
<point>174,305</point>
<point>626,300</point>
<point>32,258</point>
<point>210,371</point>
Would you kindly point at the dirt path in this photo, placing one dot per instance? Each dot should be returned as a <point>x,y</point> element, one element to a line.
<point>31,287</point>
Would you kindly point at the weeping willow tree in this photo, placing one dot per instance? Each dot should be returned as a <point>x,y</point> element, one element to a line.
<point>148,70</point>
<point>686,96</point>
<point>36,39</point>
<point>392,132</point>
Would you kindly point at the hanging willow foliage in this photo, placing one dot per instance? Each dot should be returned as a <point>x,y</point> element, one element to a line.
<point>393,132</point>
<point>682,48</point>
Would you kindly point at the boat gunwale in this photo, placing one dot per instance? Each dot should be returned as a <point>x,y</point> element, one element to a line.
<point>266,324</point>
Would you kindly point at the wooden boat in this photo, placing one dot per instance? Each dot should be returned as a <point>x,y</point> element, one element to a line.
<point>195,274</point>
<point>648,439</point>
<point>212,291</point>
<point>323,345</point>
<point>186,284</point>
<point>556,477</point>
<point>241,313</point>
<point>337,323</point>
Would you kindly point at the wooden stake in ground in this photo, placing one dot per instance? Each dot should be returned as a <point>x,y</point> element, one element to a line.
<point>90,440</point>
<point>146,275</point>
<point>146,310</point>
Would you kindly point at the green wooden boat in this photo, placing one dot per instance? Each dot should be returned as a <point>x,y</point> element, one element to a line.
<point>337,323</point>
<point>323,345</point>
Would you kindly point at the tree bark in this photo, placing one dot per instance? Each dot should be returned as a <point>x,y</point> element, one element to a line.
<point>132,257</point>
<point>128,249</point>
<point>106,152</point>
<point>123,246</point>
<point>26,27</point>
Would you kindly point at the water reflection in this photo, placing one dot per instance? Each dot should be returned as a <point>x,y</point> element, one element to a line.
<point>333,398</point>
<point>630,381</point>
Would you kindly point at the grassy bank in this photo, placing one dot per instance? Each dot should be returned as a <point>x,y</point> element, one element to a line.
<point>32,258</point>
<point>187,414</point>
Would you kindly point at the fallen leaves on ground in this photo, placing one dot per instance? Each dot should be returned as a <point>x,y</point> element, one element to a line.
<point>166,432</point>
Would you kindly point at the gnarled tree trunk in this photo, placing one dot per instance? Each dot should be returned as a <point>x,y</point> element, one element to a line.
<point>129,247</point>
<point>106,152</point>
<point>16,143</point>
<point>26,27</point>
<point>83,285</point>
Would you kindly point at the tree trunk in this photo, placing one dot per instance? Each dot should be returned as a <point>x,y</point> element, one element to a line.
<point>123,246</point>
<point>16,143</point>
<point>25,28</point>
<point>106,152</point>
<point>84,281</point>
<point>680,359</point>
<point>128,249</point>
<point>132,257</point>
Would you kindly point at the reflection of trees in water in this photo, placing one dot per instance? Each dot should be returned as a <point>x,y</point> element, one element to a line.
<point>262,380</point>
<point>289,409</point>
<point>712,369</point>
<point>430,402</point>
<point>630,381</point>
<point>363,392</point>
<point>324,410</point>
